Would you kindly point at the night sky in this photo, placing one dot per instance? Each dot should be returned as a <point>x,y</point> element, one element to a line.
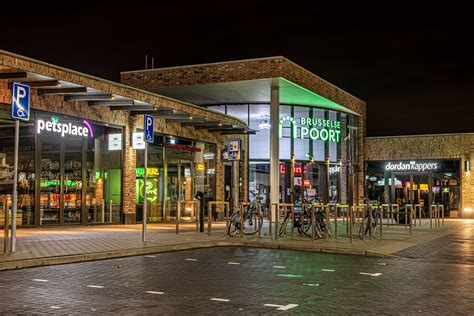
<point>413,65</point>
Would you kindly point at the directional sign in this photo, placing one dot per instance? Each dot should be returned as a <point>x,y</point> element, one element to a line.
<point>149,134</point>
<point>21,101</point>
<point>233,149</point>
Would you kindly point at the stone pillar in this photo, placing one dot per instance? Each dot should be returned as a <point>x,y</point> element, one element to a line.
<point>129,174</point>
<point>274,144</point>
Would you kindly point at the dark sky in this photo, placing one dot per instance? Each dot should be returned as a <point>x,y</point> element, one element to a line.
<point>412,64</point>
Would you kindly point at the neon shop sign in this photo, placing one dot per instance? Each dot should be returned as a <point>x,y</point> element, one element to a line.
<point>64,129</point>
<point>313,128</point>
<point>411,166</point>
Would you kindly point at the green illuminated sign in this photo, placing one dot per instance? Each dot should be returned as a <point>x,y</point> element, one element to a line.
<point>313,128</point>
<point>140,172</point>
<point>151,190</point>
<point>54,183</point>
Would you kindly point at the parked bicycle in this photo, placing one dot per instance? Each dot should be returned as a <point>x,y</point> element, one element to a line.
<point>303,220</point>
<point>368,223</point>
<point>252,218</point>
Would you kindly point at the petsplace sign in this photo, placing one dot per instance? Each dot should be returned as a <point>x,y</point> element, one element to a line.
<point>64,129</point>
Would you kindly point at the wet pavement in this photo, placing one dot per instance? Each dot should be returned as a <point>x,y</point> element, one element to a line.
<point>235,280</point>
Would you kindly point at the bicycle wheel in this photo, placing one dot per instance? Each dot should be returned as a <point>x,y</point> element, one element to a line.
<point>252,222</point>
<point>283,225</point>
<point>305,224</point>
<point>234,224</point>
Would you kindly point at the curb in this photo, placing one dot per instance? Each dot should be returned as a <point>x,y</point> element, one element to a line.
<point>47,261</point>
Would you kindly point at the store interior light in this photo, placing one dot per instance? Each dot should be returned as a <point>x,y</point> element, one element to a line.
<point>264,124</point>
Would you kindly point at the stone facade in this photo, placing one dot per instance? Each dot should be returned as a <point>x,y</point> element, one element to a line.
<point>262,68</point>
<point>56,104</point>
<point>446,146</point>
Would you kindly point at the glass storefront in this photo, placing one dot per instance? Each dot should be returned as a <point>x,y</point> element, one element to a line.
<point>69,170</point>
<point>314,151</point>
<point>177,170</point>
<point>423,182</point>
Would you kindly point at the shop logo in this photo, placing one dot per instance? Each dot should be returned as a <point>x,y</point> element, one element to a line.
<point>313,128</point>
<point>411,166</point>
<point>64,129</point>
<point>335,169</point>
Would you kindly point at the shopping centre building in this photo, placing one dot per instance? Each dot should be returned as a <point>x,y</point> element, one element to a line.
<point>316,150</point>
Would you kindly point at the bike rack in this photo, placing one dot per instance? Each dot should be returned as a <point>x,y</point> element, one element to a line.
<point>259,215</point>
<point>441,210</point>
<point>395,209</point>
<point>209,214</point>
<point>437,218</point>
<point>361,209</point>
<point>286,206</point>
<point>419,208</point>
<point>194,210</point>
<point>384,209</point>
<point>340,207</point>
<point>412,210</point>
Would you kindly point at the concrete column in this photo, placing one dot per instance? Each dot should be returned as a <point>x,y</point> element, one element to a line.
<point>274,145</point>
<point>129,173</point>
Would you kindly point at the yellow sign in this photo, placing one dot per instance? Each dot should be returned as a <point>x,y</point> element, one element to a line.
<point>423,186</point>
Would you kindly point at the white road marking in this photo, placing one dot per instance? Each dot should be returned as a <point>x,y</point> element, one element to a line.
<point>381,263</point>
<point>55,307</point>
<point>189,259</point>
<point>220,299</point>
<point>290,275</point>
<point>371,274</point>
<point>235,263</point>
<point>154,292</point>
<point>311,284</point>
<point>279,267</point>
<point>282,307</point>
<point>40,280</point>
<point>150,256</point>
<point>96,286</point>
<point>327,270</point>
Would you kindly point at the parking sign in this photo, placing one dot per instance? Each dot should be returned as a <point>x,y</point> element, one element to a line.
<point>233,149</point>
<point>20,101</point>
<point>149,134</point>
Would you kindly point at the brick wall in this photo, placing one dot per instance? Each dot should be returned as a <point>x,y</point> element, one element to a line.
<point>454,146</point>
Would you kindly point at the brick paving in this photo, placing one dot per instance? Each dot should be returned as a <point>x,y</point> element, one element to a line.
<point>40,243</point>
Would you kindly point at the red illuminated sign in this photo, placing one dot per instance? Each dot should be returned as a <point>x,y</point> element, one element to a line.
<point>307,183</point>
<point>282,169</point>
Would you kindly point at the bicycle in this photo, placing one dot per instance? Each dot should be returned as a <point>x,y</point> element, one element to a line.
<point>303,220</point>
<point>367,221</point>
<point>252,219</point>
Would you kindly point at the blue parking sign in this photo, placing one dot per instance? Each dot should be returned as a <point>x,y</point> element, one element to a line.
<point>20,101</point>
<point>149,130</point>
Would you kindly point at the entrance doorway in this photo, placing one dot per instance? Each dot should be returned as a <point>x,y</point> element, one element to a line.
<point>180,187</point>
<point>412,188</point>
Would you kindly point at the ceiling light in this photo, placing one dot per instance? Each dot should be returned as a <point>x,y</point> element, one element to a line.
<point>264,124</point>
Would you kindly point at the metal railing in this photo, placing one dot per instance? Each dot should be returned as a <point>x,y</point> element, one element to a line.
<point>226,211</point>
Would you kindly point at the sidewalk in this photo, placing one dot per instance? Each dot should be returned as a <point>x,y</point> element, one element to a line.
<point>57,245</point>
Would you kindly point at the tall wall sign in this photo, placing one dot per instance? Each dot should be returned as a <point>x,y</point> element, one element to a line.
<point>313,128</point>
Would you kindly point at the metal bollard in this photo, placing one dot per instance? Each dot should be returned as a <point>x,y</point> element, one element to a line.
<point>6,232</point>
<point>196,208</point>
<point>381,221</point>
<point>242,205</point>
<point>351,222</point>
<point>209,212</point>
<point>178,209</point>
<point>327,221</point>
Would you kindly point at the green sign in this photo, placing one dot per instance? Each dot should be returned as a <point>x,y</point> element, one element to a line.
<point>55,183</point>
<point>313,128</point>
<point>140,172</point>
<point>151,190</point>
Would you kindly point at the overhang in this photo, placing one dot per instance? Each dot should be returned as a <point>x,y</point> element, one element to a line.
<point>46,79</point>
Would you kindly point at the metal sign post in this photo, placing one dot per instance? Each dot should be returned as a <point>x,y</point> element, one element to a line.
<point>234,150</point>
<point>20,111</point>
<point>149,138</point>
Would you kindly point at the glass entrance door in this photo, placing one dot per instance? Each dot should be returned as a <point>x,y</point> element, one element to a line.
<point>411,189</point>
<point>61,181</point>
<point>180,186</point>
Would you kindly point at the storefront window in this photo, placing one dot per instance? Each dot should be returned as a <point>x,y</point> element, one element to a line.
<point>260,142</point>
<point>301,145</point>
<point>104,177</point>
<point>26,168</point>
<point>286,137</point>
